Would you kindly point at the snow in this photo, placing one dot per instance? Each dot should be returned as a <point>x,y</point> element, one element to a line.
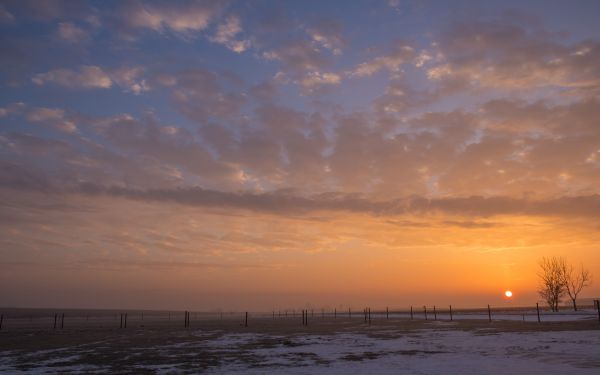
<point>435,352</point>
<point>443,349</point>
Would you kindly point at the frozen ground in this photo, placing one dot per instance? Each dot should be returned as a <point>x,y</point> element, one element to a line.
<point>327,346</point>
<point>430,352</point>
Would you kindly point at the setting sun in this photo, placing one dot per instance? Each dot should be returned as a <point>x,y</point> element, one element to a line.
<point>508,294</point>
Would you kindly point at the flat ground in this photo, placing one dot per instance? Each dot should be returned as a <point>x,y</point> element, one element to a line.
<point>283,345</point>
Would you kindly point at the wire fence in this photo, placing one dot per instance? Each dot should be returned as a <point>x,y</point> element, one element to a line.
<point>58,319</point>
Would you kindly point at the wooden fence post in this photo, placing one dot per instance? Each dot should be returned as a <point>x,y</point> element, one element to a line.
<point>450,312</point>
<point>411,313</point>
<point>489,314</point>
<point>537,307</point>
<point>334,313</point>
<point>349,313</point>
<point>434,313</point>
<point>387,313</point>
<point>246,323</point>
<point>425,311</point>
<point>369,316</point>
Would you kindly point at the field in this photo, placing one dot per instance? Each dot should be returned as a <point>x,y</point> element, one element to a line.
<point>158,342</point>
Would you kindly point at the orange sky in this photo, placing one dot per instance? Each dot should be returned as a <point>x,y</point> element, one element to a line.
<point>146,255</point>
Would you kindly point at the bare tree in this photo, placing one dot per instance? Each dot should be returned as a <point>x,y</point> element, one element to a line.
<point>552,281</point>
<point>575,281</point>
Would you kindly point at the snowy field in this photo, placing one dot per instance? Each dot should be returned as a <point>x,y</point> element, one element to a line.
<point>326,346</point>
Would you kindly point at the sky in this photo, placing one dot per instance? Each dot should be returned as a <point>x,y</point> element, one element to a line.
<point>233,155</point>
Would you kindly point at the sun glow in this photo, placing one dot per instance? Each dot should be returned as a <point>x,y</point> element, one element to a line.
<point>508,294</point>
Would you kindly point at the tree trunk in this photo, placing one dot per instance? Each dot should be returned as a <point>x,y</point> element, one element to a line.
<point>574,304</point>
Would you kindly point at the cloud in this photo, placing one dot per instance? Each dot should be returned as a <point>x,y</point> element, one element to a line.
<point>180,17</point>
<point>402,53</point>
<point>53,116</point>
<point>226,35</point>
<point>94,77</point>
<point>129,79</point>
<point>87,77</point>
<point>286,202</point>
<point>504,55</point>
<point>314,80</point>
<point>72,33</point>
<point>5,16</point>
<point>200,94</point>
<point>298,55</point>
<point>328,34</point>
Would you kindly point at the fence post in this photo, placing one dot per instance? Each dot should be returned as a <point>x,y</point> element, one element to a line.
<point>369,316</point>
<point>349,313</point>
<point>387,313</point>
<point>365,314</point>
<point>450,312</point>
<point>425,311</point>
<point>434,313</point>
<point>334,313</point>
<point>411,313</point>
<point>246,322</point>
<point>489,314</point>
<point>537,307</point>
<point>125,326</point>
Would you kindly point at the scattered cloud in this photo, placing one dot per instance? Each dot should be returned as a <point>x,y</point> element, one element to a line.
<point>314,80</point>
<point>401,53</point>
<point>328,34</point>
<point>503,55</point>
<point>226,35</point>
<point>72,33</point>
<point>86,77</point>
<point>298,55</point>
<point>5,15</point>
<point>94,77</point>
<point>53,116</point>
<point>182,17</point>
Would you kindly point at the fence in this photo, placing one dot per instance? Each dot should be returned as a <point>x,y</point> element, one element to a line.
<point>63,319</point>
